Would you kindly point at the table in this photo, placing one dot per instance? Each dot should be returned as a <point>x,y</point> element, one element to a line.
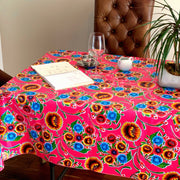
<point>124,124</point>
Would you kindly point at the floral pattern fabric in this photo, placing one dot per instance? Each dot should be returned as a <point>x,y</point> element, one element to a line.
<point>124,124</point>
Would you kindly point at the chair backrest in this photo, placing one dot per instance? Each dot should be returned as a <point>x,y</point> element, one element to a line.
<point>4,77</point>
<point>118,20</point>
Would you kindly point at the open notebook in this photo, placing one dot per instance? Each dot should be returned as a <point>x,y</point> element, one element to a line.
<point>62,75</point>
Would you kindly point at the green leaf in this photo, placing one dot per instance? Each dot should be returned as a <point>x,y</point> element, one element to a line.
<point>18,138</point>
<point>129,156</point>
<point>153,135</point>
<point>54,145</point>
<point>84,151</point>
<point>72,124</point>
<point>3,116</point>
<point>163,165</point>
<point>99,147</point>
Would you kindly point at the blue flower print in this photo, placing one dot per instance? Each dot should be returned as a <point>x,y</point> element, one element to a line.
<point>156,160</point>
<point>61,51</point>
<point>112,115</point>
<point>119,88</point>
<point>35,106</point>
<point>32,72</point>
<point>77,55</point>
<point>136,61</point>
<point>149,66</point>
<point>63,96</point>
<point>142,106</point>
<point>48,147</point>
<point>33,134</point>
<point>11,136</point>
<point>132,78</point>
<point>122,158</point>
<point>9,118</point>
<point>98,80</point>
<point>127,72</point>
<point>78,146</point>
<point>105,103</point>
<point>104,146</point>
<point>134,94</point>
<point>167,96</point>
<point>169,89</point>
<point>84,98</point>
<point>25,79</point>
<point>163,108</point>
<point>56,54</point>
<point>12,89</point>
<point>47,62</point>
<point>93,87</point>
<point>30,93</point>
<point>158,140</point>
<point>114,60</point>
<point>78,128</point>
<point>108,68</point>
<point>154,74</point>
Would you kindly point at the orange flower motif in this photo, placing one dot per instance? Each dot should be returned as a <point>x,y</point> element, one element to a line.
<point>147,111</point>
<point>109,159</point>
<point>103,96</point>
<point>171,176</point>
<point>146,84</point>
<point>152,103</point>
<point>142,176</point>
<point>131,131</point>
<point>96,108</point>
<point>20,128</point>
<point>67,163</point>
<point>27,148</point>
<point>147,149</point>
<point>69,137</point>
<point>117,106</point>
<point>2,130</point>
<point>53,120</point>
<point>94,164</point>
<point>39,146</point>
<point>42,96</point>
<point>88,141</point>
<point>121,146</point>
<point>176,106</point>
<point>31,87</point>
<point>168,154</point>
<point>21,99</point>
<point>46,135</point>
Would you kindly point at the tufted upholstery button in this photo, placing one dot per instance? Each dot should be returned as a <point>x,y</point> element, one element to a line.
<point>131,6</point>
<point>105,18</point>
<point>122,19</point>
<point>120,44</point>
<point>140,20</point>
<point>129,33</point>
<point>114,5</point>
<point>113,31</point>
<point>137,45</point>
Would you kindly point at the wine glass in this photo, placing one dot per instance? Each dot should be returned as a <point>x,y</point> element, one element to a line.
<point>96,47</point>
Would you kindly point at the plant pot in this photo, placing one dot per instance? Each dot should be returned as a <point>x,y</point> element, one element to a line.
<point>167,79</point>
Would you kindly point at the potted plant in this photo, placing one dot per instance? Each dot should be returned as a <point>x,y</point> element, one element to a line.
<point>165,36</point>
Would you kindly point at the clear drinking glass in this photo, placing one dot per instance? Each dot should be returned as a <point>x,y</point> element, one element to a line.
<point>96,47</point>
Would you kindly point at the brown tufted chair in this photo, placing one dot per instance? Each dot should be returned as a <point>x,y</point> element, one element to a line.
<point>118,20</point>
<point>4,77</point>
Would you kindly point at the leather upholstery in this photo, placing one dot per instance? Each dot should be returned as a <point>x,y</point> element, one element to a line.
<point>4,77</point>
<point>118,20</point>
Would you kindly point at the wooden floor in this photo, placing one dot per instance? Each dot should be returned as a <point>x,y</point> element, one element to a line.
<point>30,167</point>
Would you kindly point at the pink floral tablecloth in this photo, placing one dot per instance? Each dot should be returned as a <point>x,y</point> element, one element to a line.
<point>124,124</point>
